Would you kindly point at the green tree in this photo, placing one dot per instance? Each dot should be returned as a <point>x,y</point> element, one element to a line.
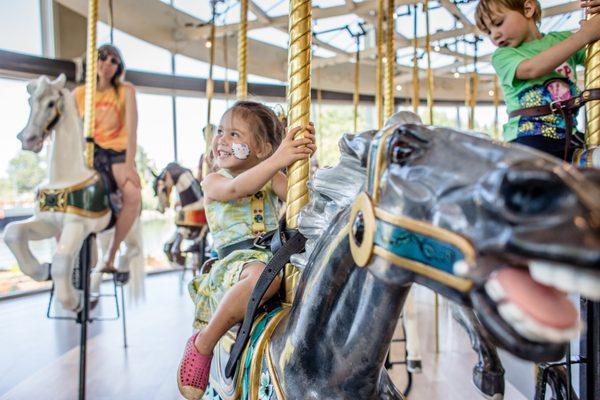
<point>26,170</point>
<point>331,123</point>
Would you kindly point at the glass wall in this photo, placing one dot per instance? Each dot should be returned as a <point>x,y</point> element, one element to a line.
<point>20,26</point>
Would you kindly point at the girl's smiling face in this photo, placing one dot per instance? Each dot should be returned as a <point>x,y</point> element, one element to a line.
<point>233,135</point>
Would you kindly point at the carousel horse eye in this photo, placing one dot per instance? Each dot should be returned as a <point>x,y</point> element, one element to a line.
<point>358,228</point>
<point>400,152</point>
<point>51,104</point>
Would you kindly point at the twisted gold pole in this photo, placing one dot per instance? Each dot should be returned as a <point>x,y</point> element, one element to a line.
<point>497,134</point>
<point>473,99</point>
<point>91,60</point>
<point>429,71</point>
<point>379,70</point>
<point>210,83</point>
<point>592,81</point>
<point>415,71</point>
<point>389,66</point>
<point>242,85</point>
<point>356,96</point>
<point>298,102</point>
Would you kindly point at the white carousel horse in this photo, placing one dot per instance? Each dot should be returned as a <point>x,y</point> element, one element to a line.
<point>71,204</point>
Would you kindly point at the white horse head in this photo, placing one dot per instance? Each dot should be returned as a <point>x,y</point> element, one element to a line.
<point>46,101</point>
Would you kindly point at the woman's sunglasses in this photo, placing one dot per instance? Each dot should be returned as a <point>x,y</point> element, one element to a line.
<point>104,57</point>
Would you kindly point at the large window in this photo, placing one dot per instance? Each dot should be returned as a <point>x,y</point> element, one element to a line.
<point>20,26</point>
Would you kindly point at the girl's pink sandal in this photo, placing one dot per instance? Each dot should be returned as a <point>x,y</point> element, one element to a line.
<point>193,372</point>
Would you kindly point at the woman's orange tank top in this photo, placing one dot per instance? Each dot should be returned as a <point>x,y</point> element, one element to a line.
<point>109,129</point>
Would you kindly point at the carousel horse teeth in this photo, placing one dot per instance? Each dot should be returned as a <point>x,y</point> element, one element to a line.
<point>565,278</point>
<point>534,330</point>
<point>495,290</point>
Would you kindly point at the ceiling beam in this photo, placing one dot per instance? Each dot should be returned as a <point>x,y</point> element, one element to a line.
<point>259,12</point>
<point>456,12</point>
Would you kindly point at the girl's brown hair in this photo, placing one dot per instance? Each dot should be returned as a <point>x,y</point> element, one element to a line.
<point>268,129</point>
<point>487,8</point>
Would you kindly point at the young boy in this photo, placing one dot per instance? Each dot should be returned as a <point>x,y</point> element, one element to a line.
<point>535,69</point>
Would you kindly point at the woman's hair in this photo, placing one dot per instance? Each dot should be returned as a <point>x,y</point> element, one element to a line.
<point>268,129</point>
<point>487,8</point>
<point>109,49</point>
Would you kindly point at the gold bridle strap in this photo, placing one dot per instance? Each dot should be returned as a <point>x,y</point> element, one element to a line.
<point>408,243</point>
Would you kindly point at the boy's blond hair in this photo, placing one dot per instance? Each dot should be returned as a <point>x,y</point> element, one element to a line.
<point>487,8</point>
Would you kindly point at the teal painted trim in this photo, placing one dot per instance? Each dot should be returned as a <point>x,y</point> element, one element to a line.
<point>417,247</point>
<point>256,333</point>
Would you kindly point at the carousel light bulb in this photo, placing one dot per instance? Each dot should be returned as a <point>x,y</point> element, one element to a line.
<point>398,87</point>
<point>456,75</point>
<point>384,60</point>
<point>208,44</point>
<point>437,47</point>
<point>491,93</point>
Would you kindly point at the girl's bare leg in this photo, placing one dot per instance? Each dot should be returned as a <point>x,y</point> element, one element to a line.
<point>232,308</point>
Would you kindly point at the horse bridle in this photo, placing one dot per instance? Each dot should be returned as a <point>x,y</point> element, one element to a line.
<point>415,245</point>
<point>57,115</point>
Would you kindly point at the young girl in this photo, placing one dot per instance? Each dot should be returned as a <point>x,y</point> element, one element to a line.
<point>535,69</point>
<point>249,149</point>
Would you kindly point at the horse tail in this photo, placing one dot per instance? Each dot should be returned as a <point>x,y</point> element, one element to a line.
<point>137,288</point>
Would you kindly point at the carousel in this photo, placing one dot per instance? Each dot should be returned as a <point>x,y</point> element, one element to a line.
<point>427,262</point>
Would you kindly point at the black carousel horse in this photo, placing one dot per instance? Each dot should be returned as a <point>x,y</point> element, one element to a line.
<point>190,217</point>
<point>477,221</point>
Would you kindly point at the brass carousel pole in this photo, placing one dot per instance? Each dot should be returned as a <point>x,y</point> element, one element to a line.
<point>591,309</point>
<point>90,83</point>
<point>379,70</point>
<point>242,85</point>
<point>389,66</point>
<point>415,71</point>
<point>429,71</point>
<point>497,134</point>
<point>209,88</point>
<point>356,96</point>
<point>474,88</point>
<point>298,102</point>
<point>430,112</point>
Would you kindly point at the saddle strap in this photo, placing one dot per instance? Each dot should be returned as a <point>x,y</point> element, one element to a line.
<point>293,245</point>
<point>558,107</point>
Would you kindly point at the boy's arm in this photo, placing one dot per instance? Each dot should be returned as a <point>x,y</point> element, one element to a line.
<point>548,60</point>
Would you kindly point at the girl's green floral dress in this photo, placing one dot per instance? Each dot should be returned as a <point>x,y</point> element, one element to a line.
<point>231,222</point>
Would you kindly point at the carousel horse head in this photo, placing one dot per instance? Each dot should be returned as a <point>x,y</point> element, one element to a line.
<point>503,228</point>
<point>174,175</point>
<point>46,101</point>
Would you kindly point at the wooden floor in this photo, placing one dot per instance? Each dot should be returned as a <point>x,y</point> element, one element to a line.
<point>39,357</point>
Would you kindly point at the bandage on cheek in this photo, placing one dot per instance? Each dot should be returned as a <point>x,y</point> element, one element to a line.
<point>240,151</point>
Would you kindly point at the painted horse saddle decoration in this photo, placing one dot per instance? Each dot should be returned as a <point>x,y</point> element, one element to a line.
<point>86,199</point>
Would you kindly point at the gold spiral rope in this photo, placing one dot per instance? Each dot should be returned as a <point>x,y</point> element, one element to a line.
<point>497,133</point>
<point>242,85</point>
<point>389,66</point>
<point>592,81</point>
<point>90,82</point>
<point>356,97</point>
<point>298,102</point>
<point>429,71</point>
<point>415,69</point>
<point>379,70</point>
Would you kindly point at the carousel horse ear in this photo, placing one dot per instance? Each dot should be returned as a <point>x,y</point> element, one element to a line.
<point>60,81</point>
<point>31,87</point>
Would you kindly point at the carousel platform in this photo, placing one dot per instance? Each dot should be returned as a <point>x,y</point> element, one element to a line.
<point>39,357</point>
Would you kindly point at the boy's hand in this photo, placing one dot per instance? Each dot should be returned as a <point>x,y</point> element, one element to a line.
<point>291,150</point>
<point>590,29</point>
<point>593,6</point>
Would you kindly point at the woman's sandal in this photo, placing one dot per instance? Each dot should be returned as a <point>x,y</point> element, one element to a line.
<point>193,371</point>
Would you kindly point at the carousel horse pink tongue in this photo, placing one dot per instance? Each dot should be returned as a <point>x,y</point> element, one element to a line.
<point>532,306</point>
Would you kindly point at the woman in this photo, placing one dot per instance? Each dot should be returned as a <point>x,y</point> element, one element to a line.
<point>115,139</point>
